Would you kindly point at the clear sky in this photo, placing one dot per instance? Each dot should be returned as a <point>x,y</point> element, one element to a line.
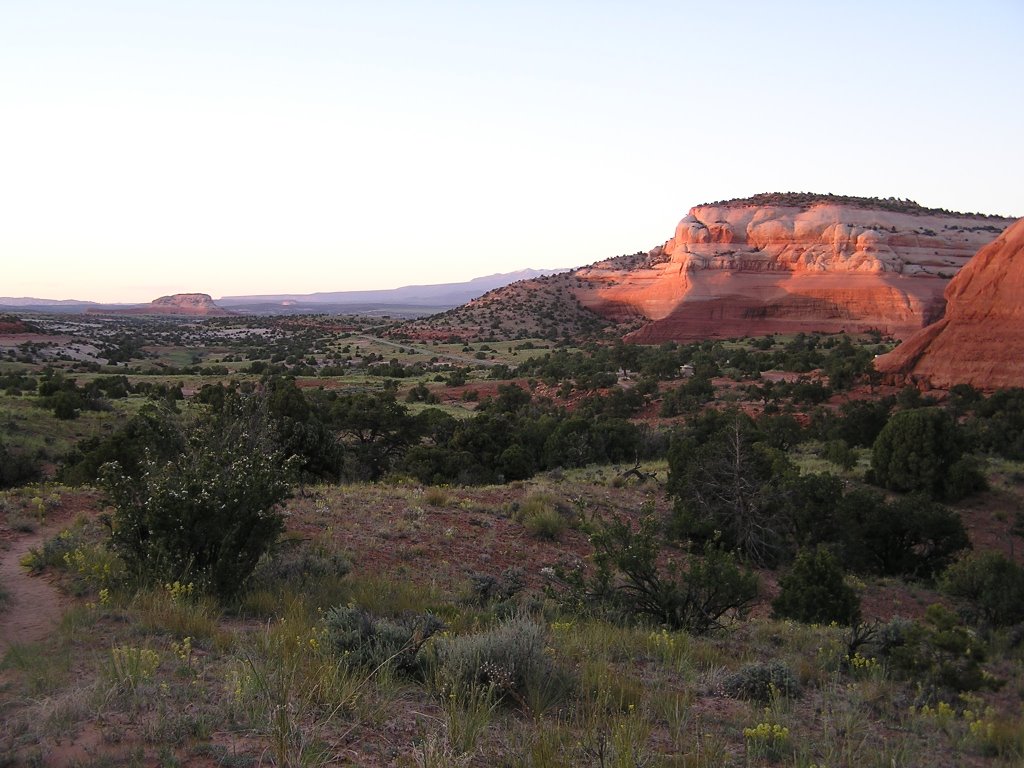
<point>256,147</point>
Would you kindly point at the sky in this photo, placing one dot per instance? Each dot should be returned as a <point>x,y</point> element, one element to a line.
<point>256,147</point>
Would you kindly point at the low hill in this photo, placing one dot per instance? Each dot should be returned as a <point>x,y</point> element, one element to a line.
<point>545,307</point>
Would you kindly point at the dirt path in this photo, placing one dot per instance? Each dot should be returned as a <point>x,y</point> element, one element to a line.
<point>34,606</point>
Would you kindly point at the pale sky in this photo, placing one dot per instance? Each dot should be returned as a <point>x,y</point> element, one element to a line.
<point>257,147</point>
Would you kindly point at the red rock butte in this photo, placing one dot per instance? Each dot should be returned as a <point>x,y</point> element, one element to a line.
<point>187,304</point>
<point>781,263</point>
<point>980,339</point>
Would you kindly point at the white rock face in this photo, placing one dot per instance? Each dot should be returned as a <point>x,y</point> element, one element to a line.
<point>826,238</point>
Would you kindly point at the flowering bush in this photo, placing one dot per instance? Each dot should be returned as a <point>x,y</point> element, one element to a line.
<point>207,516</point>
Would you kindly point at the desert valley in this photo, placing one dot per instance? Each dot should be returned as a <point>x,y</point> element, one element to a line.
<point>751,497</point>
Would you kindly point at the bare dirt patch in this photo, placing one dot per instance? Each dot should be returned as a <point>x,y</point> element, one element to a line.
<point>34,606</point>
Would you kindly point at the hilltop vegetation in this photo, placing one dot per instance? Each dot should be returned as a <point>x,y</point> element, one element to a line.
<point>807,199</point>
<point>313,542</point>
<point>543,308</point>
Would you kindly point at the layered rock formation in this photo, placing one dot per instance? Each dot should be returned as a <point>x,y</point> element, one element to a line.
<point>980,339</point>
<point>791,262</point>
<point>188,304</point>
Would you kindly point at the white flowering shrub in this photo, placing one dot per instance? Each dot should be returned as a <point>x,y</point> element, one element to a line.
<point>208,515</point>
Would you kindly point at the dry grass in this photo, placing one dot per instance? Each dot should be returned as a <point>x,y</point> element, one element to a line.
<point>257,684</point>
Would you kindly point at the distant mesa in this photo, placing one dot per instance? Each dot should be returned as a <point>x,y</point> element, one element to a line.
<point>180,304</point>
<point>980,339</point>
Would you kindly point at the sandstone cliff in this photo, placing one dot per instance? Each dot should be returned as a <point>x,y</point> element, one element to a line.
<point>980,340</point>
<point>785,262</point>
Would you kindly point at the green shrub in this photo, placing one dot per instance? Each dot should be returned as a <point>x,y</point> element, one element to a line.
<point>151,434</point>
<point>761,682</point>
<point>998,426</point>
<point>511,657</point>
<point>911,536</point>
<point>208,516</point>
<point>630,579</point>
<point>370,642</point>
<point>918,451</point>
<point>17,468</point>
<point>839,453</point>
<point>813,591</point>
<point>992,583</point>
<point>729,488</point>
<point>940,653</point>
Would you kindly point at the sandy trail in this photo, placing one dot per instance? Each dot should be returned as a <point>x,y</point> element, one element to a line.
<point>33,607</point>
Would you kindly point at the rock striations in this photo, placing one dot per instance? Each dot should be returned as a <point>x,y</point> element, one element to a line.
<point>791,262</point>
<point>980,339</point>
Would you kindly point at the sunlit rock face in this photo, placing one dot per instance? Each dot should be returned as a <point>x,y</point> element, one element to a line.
<point>980,339</point>
<point>785,263</point>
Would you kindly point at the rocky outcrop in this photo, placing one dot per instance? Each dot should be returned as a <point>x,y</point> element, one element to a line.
<point>980,339</point>
<point>187,304</point>
<point>783,263</point>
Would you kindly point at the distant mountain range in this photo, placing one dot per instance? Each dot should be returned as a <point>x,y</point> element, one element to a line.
<point>409,297</point>
<point>407,300</point>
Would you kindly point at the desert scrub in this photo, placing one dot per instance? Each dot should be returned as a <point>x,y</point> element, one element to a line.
<point>632,580</point>
<point>309,570</point>
<point>95,568</point>
<point>436,496</point>
<point>17,517</point>
<point>129,667</point>
<point>813,591</point>
<point>548,524</point>
<point>51,553</point>
<point>289,687</point>
<point>468,711</point>
<point>991,585</point>
<point>993,735</point>
<point>607,687</point>
<point>617,739</point>
<point>512,657</point>
<point>939,653</point>
<point>369,642</point>
<point>761,682</point>
<point>767,741</point>
<point>178,609</point>
<point>486,589</point>
<point>541,517</point>
<point>299,562</point>
<point>671,648</point>
<point>385,596</point>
